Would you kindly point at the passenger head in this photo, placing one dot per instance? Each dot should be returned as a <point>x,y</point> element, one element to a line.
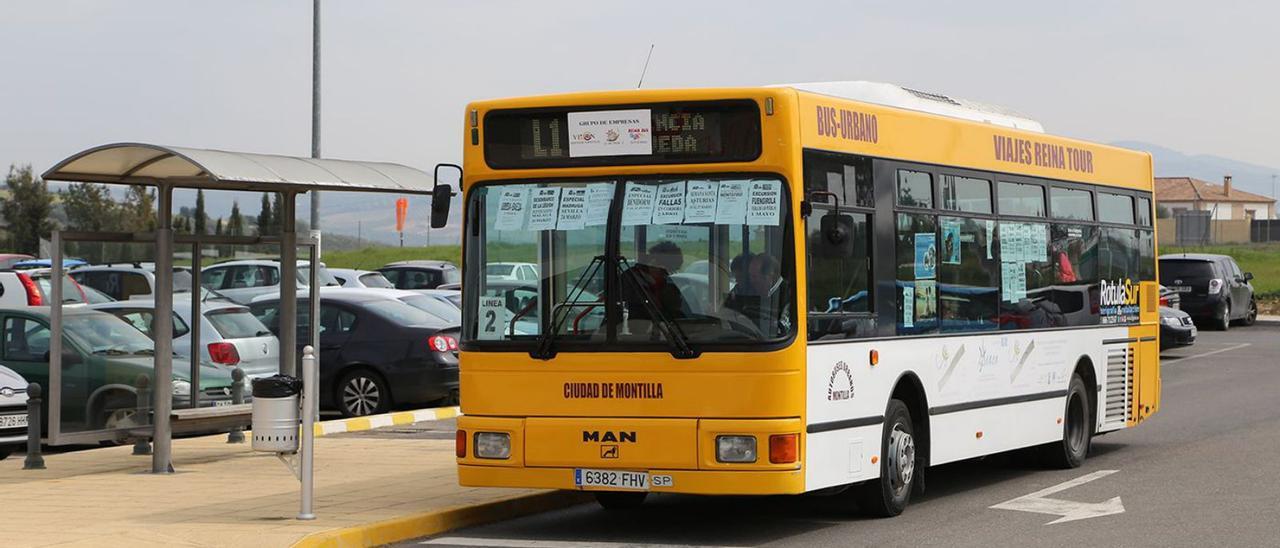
<point>738,266</point>
<point>665,255</point>
<point>763,273</point>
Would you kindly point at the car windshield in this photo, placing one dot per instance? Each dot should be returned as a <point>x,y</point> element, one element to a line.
<point>70,289</point>
<point>698,260</point>
<point>375,279</point>
<point>104,333</point>
<point>236,323</point>
<point>322,275</point>
<point>402,314</point>
<point>435,307</point>
<point>181,281</point>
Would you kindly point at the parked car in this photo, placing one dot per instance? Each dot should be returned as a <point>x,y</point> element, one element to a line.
<point>7,259</point>
<point>123,282</point>
<point>93,296</point>
<point>375,352</point>
<point>1170,298</point>
<point>32,288</point>
<point>421,274</point>
<point>1176,328</point>
<point>13,411</point>
<point>1212,288</point>
<point>241,281</point>
<point>29,264</point>
<point>442,311</point>
<point>511,271</point>
<point>350,277</point>
<point>450,296</point>
<point>230,335</point>
<point>103,357</point>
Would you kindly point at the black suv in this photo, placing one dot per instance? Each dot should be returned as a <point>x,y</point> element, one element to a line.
<point>422,274</point>
<point>1211,287</point>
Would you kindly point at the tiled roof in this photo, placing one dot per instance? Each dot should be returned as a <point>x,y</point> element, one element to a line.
<point>1190,189</point>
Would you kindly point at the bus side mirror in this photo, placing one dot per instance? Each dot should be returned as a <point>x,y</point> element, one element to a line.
<point>441,194</point>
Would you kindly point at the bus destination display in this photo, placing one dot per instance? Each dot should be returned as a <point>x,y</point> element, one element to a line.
<point>715,132</point>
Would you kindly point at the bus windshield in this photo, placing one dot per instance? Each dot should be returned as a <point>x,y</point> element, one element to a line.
<point>698,262</point>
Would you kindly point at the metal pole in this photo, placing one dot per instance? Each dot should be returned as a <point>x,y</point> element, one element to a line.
<point>310,370</point>
<point>34,461</point>
<point>236,435</point>
<point>315,115</point>
<point>197,350</point>
<point>162,326</point>
<point>314,304</point>
<point>288,286</point>
<point>55,342</point>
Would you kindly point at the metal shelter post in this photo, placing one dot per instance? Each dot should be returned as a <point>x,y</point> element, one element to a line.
<point>196,353</point>
<point>289,285</point>
<point>314,302</point>
<point>162,327</point>
<point>54,389</point>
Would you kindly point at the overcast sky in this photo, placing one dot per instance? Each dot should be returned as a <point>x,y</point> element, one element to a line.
<point>1191,75</point>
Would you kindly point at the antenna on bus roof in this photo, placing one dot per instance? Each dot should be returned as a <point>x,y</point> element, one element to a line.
<point>646,67</point>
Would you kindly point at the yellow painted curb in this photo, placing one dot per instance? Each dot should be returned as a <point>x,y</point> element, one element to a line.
<point>370,422</point>
<point>440,521</point>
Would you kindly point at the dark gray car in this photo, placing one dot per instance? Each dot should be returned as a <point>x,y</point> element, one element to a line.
<point>1211,288</point>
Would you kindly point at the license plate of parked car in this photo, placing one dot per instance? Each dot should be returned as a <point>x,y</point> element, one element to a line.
<point>1180,288</point>
<point>13,421</point>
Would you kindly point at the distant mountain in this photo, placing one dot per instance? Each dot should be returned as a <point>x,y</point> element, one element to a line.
<point>1172,163</point>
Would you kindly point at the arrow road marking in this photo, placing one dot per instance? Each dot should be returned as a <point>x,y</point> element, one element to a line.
<point>1039,502</point>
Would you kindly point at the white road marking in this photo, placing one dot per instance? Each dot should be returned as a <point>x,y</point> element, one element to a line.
<point>522,543</point>
<point>1068,510</point>
<point>1176,359</point>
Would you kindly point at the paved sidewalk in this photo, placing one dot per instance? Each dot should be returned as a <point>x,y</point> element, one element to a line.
<point>228,495</point>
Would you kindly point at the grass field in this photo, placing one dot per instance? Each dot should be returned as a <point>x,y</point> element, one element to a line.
<point>373,257</point>
<point>1263,260</point>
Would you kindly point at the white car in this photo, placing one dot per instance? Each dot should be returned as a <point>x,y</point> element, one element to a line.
<point>243,280</point>
<point>13,411</point>
<point>443,311</point>
<point>32,288</point>
<point>350,277</point>
<point>524,272</point>
<point>129,281</point>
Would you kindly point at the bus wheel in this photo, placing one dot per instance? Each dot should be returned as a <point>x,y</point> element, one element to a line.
<point>1077,430</point>
<point>615,500</point>
<point>888,495</point>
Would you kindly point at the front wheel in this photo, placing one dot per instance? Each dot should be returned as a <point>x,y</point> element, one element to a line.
<point>1251,316</point>
<point>616,500</point>
<point>363,392</point>
<point>1077,430</point>
<point>888,496</point>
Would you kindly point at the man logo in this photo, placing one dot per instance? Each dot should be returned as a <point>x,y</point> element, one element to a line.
<point>608,451</point>
<point>608,437</point>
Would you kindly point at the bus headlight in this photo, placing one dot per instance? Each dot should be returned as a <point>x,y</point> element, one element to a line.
<point>736,448</point>
<point>493,445</point>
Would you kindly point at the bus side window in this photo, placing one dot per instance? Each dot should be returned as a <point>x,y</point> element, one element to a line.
<point>839,268</point>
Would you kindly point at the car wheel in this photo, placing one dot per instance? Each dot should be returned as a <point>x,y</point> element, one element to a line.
<point>1223,322</point>
<point>362,392</point>
<point>1252,316</point>
<point>1077,430</point>
<point>615,500</point>
<point>888,496</point>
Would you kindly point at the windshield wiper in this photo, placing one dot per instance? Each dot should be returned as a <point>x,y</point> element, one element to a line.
<point>670,329</point>
<point>547,338</point>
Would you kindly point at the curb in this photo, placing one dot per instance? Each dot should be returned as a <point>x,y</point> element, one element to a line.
<point>357,424</point>
<point>439,521</point>
<point>1268,320</point>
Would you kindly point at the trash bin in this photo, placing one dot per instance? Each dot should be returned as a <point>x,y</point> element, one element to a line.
<point>275,413</point>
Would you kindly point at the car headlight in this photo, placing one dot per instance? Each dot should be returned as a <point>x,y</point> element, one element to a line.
<point>181,388</point>
<point>1171,321</point>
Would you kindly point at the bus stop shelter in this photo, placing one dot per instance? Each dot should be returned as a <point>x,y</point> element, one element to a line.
<point>167,168</point>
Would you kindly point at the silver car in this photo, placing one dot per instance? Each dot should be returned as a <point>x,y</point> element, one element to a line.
<point>13,411</point>
<point>229,334</point>
<point>350,277</point>
<point>241,281</point>
<point>441,310</point>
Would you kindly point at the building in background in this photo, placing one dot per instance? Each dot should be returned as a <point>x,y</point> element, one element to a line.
<point>1221,201</point>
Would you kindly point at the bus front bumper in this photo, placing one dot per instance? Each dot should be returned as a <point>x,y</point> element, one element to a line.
<point>694,482</point>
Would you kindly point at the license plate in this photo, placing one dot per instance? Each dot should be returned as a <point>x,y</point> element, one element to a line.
<point>1179,288</point>
<point>611,479</point>
<point>221,403</point>
<point>13,421</point>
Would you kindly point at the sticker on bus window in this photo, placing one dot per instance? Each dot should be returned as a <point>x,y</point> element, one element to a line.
<point>573,209</point>
<point>599,199</point>
<point>991,225</point>
<point>1039,243</point>
<point>764,203</point>
<point>610,133</point>
<point>1013,281</point>
<point>700,202</point>
<point>669,207</point>
<point>926,266</point>
<point>512,203</point>
<point>908,306</point>
<point>731,203</point>
<point>637,204</point>
<point>951,241</point>
<point>543,207</point>
<point>493,318</point>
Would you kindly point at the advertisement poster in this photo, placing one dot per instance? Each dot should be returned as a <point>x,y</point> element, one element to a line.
<point>926,300</point>
<point>731,203</point>
<point>669,208</point>
<point>951,241</point>
<point>764,203</point>
<point>599,198</point>
<point>512,203</point>
<point>543,207</point>
<point>637,204</point>
<point>700,202</point>
<point>908,306</point>
<point>1013,281</point>
<point>926,256</point>
<point>610,133</point>
<point>573,209</point>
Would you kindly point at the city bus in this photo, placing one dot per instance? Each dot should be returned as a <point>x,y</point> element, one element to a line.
<point>814,288</point>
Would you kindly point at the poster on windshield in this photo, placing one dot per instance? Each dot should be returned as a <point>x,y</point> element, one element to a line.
<point>669,207</point>
<point>731,203</point>
<point>700,202</point>
<point>637,204</point>
<point>573,209</point>
<point>764,203</point>
<point>599,199</point>
<point>543,207</point>
<point>512,203</point>
<point>610,133</point>
<point>493,316</point>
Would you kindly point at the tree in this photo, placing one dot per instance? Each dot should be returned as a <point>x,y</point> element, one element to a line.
<point>139,213</point>
<point>27,209</point>
<point>264,217</point>
<point>200,220</point>
<point>277,216</point>
<point>235,222</point>
<point>217,227</point>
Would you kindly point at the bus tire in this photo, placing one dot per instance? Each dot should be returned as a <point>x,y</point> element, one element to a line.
<point>888,495</point>
<point>620,500</point>
<point>1077,430</point>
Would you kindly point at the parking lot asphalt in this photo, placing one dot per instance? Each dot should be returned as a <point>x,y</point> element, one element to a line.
<point>1201,472</point>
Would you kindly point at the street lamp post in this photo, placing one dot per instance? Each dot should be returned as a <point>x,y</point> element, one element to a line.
<point>315,115</point>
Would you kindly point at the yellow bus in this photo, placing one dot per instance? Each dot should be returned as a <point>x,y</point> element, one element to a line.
<point>823,287</point>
